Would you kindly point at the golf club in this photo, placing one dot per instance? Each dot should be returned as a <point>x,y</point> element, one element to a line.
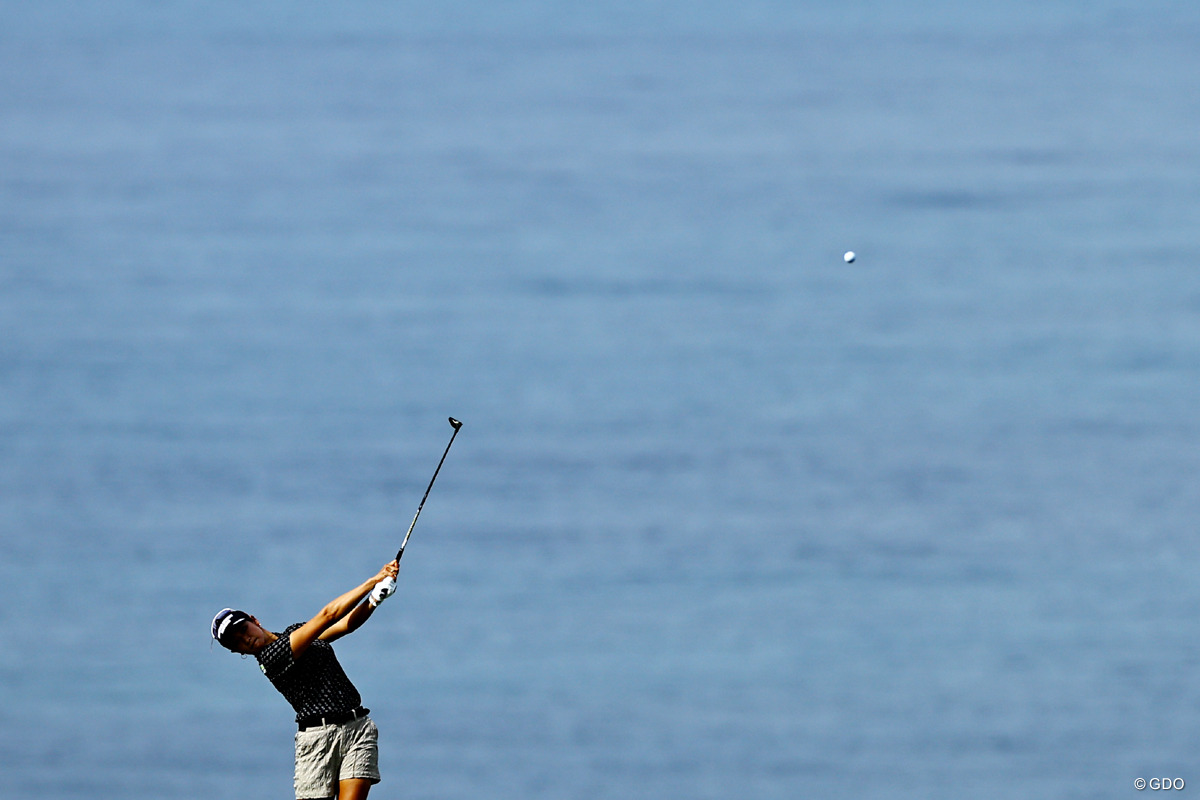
<point>456,425</point>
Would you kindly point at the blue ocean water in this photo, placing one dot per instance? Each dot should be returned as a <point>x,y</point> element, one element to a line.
<point>728,518</point>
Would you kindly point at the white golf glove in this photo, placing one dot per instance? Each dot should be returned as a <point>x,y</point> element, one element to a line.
<point>382,591</point>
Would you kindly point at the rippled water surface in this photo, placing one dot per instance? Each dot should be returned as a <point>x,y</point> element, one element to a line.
<point>727,518</point>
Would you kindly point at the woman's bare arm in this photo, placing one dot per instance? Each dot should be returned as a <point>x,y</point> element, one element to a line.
<point>336,610</point>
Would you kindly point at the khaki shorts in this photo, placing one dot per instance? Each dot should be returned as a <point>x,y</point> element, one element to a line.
<point>333,753</point>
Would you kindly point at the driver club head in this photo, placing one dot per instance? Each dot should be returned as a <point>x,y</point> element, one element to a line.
<point>455,423</point>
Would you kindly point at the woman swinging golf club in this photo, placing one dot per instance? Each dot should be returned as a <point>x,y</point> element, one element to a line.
<point>337,745</point>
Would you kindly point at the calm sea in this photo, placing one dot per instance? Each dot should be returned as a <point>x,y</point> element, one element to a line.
<point>728,518</point>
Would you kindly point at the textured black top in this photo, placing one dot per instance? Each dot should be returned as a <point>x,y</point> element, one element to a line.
<point>314,684</point>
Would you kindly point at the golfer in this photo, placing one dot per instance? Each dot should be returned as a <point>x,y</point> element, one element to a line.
<point>337,744</point>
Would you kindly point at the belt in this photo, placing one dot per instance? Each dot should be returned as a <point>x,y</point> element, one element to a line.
<point>336,718</point>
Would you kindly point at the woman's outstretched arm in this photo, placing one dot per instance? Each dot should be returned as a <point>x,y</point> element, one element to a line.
<point>362,612</point>
<point>336,610</point>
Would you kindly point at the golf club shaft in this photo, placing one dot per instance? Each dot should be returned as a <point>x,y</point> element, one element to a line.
<point>456,425</point>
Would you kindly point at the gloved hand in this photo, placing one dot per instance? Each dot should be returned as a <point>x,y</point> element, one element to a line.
<point>382,591</point>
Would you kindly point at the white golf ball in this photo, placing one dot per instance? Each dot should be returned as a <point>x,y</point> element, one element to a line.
<point>849,257</point>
